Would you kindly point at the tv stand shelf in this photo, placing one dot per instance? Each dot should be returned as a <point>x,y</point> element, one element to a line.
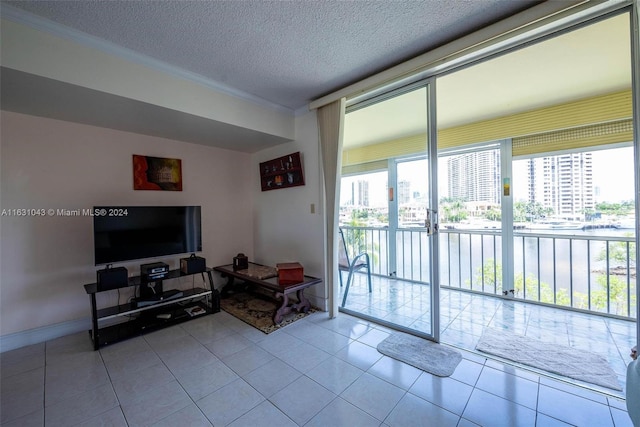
<point>149,317</point>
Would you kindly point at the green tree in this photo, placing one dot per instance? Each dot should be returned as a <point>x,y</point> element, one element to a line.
<point>526,288</point>
<point>493,214</point>
<point>616,283</point>
<point>617,294</point>
<point>529,211</point>
<point>360,216</point>
<point>618,208</point>
<point>491,273</point>
<point>618,252</point>
<point>382,218</point>
<point>519,214</point>
<point>356,240</point>
<point>354,237</point>
<point>452,210</point>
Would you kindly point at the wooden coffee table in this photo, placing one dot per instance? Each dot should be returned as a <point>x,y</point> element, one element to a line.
<point>265,277</point>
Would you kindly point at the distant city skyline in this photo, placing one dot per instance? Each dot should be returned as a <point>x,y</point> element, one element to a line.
<point>612,173</point>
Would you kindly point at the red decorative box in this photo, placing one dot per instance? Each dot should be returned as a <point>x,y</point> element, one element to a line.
<point>290,273</point>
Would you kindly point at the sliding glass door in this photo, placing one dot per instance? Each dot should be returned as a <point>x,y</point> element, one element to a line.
<point>538,157</point>
<point>387,210</point>
<point>538,203</point>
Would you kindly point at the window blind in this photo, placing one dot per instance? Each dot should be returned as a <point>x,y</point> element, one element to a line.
<point>598,120</point>
<point>579,137</point>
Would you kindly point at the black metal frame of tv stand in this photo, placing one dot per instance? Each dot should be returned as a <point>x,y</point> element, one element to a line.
<point>147,319</point>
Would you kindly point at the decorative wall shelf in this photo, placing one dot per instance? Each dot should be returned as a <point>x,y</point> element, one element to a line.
<point>283,172</point>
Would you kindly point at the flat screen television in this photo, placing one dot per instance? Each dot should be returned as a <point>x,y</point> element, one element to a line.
<point>125,233</point>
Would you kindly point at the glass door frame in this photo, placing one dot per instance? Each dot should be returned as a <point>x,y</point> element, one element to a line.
<point>434,242</point>
<point>634,16</point>
<point>431,154</point>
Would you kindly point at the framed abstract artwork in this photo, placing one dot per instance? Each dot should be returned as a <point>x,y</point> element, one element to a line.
<point>157,173</point>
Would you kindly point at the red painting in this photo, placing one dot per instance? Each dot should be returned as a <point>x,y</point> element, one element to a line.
<point>157,173</point>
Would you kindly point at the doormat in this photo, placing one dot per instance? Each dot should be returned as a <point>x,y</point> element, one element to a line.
<point>419,352</point>
<point>258,310</point>
<point>562,360</point>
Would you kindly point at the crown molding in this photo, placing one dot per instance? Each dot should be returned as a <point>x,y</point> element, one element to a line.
<point>38,23</point>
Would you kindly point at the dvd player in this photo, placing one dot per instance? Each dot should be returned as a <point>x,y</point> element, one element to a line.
<point>165,296</point>
<point>154,271</point>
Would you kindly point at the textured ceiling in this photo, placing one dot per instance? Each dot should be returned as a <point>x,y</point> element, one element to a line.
<point>284,52</point>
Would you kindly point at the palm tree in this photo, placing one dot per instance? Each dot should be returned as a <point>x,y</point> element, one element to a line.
<point>454,210</point>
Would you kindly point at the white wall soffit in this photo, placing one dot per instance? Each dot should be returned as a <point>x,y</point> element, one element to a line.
<point>43,97</point>
<point>79,62</point>
<point>491,39</point>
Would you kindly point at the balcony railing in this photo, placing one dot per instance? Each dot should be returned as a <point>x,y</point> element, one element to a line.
<point>584,272</point>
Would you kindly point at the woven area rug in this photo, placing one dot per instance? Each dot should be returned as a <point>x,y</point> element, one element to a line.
<point>257,310</point>
<point>421,353</point>
<point>562,360</point>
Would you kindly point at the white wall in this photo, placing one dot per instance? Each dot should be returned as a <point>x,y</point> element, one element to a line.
<point>53,164</point>
<point>285,230</point>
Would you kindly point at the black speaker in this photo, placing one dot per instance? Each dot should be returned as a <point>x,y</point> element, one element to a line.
<point>193,264</point>
<point>112,278</point>
<point>240,262</point>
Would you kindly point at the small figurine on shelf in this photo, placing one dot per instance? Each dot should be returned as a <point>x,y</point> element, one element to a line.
<point>281,172</point>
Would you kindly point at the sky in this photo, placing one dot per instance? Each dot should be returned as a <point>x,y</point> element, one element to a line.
<point>613,172</point>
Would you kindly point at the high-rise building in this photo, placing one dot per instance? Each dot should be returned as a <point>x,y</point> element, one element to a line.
<point>404,192</point>
<point>359,194</point>
<point>475,177</point>
<point>363,193</point>
<point>563,183</point>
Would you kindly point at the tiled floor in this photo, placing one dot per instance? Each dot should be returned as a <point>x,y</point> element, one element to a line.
<point>464,316</point>
<point>216,370</point>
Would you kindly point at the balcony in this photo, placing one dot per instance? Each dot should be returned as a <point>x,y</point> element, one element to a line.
<point>577,291</point>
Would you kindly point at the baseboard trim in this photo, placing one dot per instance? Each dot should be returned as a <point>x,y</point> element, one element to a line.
<point>46,333</point>
<point>42,334</point>
<point>317,301</point>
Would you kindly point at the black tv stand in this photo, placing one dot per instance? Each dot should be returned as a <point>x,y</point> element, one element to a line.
<point>165,296</point>
<point>149,313</point>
